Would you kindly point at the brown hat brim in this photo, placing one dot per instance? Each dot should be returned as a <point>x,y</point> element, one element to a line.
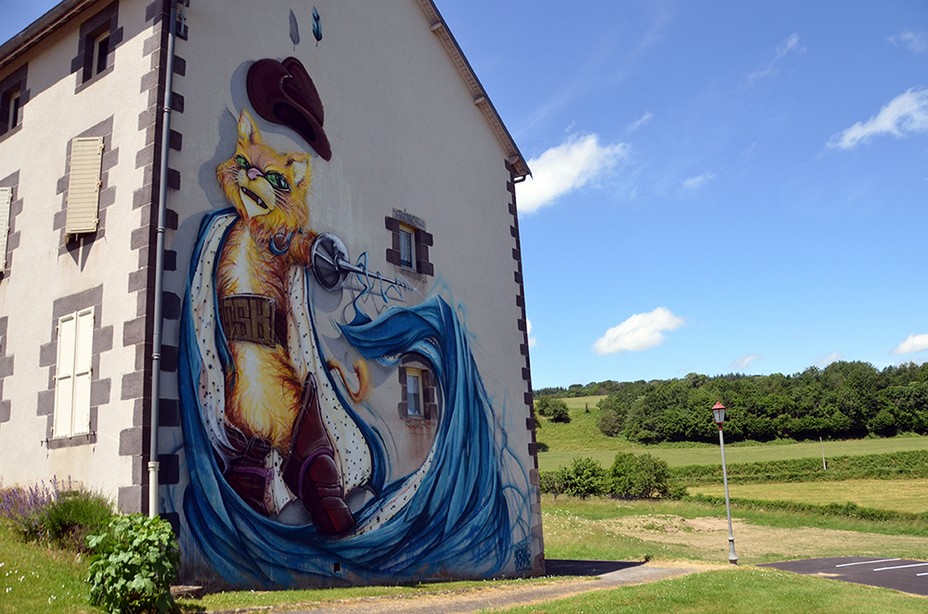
<point>284,93</point>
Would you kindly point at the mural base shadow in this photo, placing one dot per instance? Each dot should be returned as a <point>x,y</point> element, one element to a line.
<point>565,567</point>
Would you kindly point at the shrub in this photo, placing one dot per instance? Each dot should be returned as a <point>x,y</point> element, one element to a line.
<point>641,477</point>
<point>610,423</point>
<point>553,482</point>
<point>585,477</point>
<point>25,507</point>
<point>135,560</point>
<point>557,411</point>
<point>75,515</point>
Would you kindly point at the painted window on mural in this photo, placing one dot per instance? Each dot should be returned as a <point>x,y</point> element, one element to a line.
<point>6,199</point>
<point>84,185</point>
<point>72,374</point>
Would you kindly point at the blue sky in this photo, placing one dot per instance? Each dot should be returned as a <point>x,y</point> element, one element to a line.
<point>718,186</point>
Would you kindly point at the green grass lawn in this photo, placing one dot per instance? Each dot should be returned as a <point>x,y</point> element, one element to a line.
<point>39,579</point>
<point>909,495</point>
<point>559,444</point>
<point>737,590</point>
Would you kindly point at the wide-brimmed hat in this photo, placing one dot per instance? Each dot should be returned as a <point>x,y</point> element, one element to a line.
<point>284,93</point>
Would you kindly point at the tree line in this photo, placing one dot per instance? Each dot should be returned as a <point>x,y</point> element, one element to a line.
<point>841,401</point>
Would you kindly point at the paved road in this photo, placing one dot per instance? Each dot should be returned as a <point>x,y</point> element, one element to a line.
<point>599,575</point>
<point>901,574</point>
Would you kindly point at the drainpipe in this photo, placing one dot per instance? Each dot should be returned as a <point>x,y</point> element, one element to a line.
<point>153,464</point>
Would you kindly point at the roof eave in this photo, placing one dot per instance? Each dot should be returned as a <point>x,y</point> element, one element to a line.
<point>513,156</point>
<point>38,30</point>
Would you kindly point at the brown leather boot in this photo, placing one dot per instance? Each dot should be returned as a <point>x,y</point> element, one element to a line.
<point>310,470</point>
<point>246,472</point>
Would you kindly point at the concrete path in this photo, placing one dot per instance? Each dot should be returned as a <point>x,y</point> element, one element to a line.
<point>600,575</point>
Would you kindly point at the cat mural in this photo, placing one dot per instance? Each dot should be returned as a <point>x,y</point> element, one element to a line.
<point>273,441</point>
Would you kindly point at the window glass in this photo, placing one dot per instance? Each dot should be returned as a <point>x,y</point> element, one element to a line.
<point>406,247</point>
<point>414,392</point>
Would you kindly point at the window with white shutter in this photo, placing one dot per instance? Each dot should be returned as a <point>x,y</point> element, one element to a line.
<point>84,185</point>
<point>73,373</point>
<point>6,198</point>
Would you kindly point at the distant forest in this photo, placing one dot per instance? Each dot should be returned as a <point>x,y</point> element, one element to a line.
<point>842,401</point>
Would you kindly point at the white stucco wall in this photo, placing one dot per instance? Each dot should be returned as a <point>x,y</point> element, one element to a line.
<point>39,274</point>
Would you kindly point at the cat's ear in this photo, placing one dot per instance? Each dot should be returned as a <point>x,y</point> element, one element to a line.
<point>247,129</point>
<point>299,168</point>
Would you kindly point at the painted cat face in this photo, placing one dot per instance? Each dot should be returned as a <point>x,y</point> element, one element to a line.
<point>263,184</point>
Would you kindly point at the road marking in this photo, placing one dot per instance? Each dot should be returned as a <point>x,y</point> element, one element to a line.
<point>868,562</point>
<point>921,574</point>
<point>901,566</point>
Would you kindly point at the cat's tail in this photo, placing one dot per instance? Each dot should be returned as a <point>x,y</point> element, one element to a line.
<point>360,371</point>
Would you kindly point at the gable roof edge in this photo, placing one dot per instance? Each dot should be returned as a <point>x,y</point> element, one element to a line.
<point>38,30</point>
<point>438,26</point>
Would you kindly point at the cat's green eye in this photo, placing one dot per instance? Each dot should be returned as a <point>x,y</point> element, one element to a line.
<point>276,180</point>
<point>241,161</point>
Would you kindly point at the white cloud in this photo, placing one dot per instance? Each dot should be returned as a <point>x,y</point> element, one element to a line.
<point>905,114</point>
<point>744,361</point>
<point>788,46</point>
<point>532,341</point>
<point>693,183</point>
<point>827,360</point>
<point>640,331</point>
<point>641,121</point>
<point>570,165</point>
<point>916,42</point>
<point>912,344</point>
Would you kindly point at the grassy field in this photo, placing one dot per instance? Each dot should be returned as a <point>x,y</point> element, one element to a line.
<point>737,590</point>
<point>896,495</point>
<point>561,443</point>
<point>605,529</point>
<point>39,579</point>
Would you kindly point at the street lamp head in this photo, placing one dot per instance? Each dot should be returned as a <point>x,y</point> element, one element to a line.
<point>718,410</point>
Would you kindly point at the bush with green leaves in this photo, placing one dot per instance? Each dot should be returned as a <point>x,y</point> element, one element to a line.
<point>74,516</point>
<point>557,411</point>
<point>135,560</point>
<point>640,477</point>
<point>55,513</point>
<point>584,478</point>
<point>553,482</point>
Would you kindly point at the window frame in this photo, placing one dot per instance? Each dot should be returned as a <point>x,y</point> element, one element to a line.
<point>13,90</point>
<point>407,246</point>
<point>102,28</point>
<point>413,368</point>
<point>400,224</point>
<point>414,405</point>
<point>73,374</point>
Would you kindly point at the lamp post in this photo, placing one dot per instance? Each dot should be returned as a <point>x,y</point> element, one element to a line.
<point>718,410</point>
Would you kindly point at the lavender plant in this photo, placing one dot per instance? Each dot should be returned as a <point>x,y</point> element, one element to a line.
<point>26,507</point>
